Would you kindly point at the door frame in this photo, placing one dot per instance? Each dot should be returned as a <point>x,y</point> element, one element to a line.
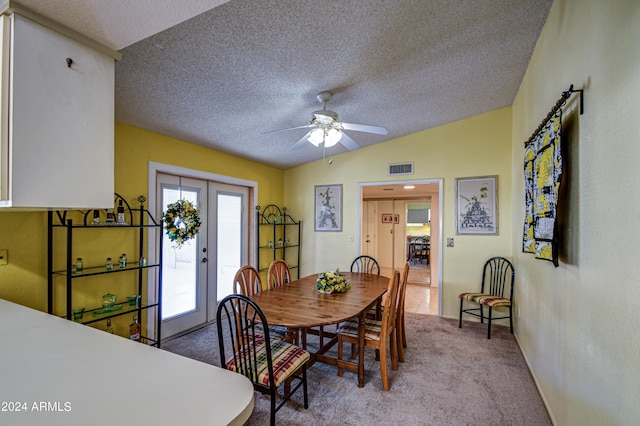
<point>439,181</point>
<point>154,169</point>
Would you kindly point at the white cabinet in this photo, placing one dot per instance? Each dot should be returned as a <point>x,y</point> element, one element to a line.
<point>57,121</point>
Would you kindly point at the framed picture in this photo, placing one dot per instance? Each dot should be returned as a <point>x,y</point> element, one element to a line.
<point>477,205</point>
<point>328,208</point>
<point>387,218</point>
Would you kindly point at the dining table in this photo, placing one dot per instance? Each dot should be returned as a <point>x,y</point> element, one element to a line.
<point>298,306</point>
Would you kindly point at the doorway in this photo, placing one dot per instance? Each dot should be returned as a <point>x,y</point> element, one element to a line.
<point>198,274</point>
<point>384,226</point>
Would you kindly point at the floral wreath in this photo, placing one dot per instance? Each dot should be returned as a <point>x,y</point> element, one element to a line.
<point>181,221</point>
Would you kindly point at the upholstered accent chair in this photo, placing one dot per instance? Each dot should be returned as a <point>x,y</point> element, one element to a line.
<point>496,291</point>
<point>249,350</point>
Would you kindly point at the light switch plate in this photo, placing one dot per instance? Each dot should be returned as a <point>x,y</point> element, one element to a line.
<point>449,242</point>
<point>4,257</point>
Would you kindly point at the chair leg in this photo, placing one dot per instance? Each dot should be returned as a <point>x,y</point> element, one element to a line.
<point>384,374</point>
<point>304,386</point>
<point>339,354</point>
<point>398,341</point>
<point>272,417</point>
<point>460,322</point>
<point>482,314</point>
<point>489,328</point>
<point>404,333</point>
<point>510,320</point>
<point>393,348</point>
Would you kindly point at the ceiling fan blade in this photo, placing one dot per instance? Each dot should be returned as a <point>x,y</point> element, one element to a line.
<point>306,126</point>
<point>378,130</point>
<point>301,142</point>
<point>349,143</point>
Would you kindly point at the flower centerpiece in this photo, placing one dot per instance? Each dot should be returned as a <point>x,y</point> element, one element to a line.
<point>332,282</point>
<point>181,222</point>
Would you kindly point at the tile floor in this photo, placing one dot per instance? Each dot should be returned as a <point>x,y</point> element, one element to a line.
<point>421,298</point>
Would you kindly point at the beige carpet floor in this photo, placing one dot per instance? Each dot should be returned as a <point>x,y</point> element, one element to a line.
<point>451,376</point>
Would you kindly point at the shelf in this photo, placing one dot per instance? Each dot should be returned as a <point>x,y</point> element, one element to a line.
<point>99,270</point>
<point>65,219</point>
<point>90,317</point>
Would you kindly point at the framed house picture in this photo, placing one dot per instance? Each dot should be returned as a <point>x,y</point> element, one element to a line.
<point>477,205</point>
<point>328,208</point>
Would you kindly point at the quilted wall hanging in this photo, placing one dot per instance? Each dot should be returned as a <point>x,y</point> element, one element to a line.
<point>542,177</point>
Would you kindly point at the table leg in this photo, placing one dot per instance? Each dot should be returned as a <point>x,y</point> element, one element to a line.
<point>361,324</point>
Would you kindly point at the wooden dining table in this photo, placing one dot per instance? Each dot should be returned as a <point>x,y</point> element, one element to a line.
<point>300,306</point>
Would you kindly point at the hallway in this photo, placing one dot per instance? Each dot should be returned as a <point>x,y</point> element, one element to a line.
<point>421,298</point>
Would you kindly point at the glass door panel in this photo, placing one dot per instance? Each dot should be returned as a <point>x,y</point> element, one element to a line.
<point>229,242</point>
<point>184,269</point>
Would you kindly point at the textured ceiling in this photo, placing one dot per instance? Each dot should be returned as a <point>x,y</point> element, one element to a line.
<point>224,77</point>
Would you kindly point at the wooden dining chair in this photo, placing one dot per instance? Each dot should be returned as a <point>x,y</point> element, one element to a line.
<point>377,333</point>
<point>496,291</point>
<point>400,323</point>
<point>401,336</point>
<point>247,282</point>
<point>248,349</point>
<point>278,273</point>
<point>366,264</point>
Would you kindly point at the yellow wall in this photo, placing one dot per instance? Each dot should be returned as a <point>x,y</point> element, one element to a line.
<point>579,324</point>
<point>476,146</point>
<point>24,279</point>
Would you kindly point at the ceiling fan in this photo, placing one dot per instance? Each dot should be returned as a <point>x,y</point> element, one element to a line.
<point>326,128</point>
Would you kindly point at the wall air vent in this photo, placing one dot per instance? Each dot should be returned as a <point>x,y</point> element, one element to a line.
<point>401,169</point>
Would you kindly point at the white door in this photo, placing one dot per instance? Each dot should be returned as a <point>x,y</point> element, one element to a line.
<point>198,274</point>
<point>229,204</point>
<point>368,243</point>
<point>184,269</point>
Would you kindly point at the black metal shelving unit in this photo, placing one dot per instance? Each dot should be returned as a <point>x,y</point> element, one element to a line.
<point>274,225</point>
<point>145,221</point>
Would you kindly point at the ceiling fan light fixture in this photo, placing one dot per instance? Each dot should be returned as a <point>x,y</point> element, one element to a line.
<point>316,137</point>
<point>332,138</point>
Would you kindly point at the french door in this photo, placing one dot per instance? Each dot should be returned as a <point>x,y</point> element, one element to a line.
<point>200,272</point>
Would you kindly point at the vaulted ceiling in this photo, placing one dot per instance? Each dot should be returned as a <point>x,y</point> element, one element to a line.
<point>221,74</point>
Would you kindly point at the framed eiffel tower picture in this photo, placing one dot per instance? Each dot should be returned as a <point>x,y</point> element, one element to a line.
<point>477,205</point>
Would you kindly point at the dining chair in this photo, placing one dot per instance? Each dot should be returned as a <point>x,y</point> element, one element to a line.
<point>376,332</point>
<point>498,277</point>
<point>366,264</point>
<point>401,336</point>
<point>400,323</point>
<point>247,282</point>
<point>278,273</point>
<point>248,350</point>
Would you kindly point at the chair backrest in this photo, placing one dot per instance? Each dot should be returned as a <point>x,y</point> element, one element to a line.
<point>390,302</point>
<point>278,274</point>
<point>242,331</point>
<point>247,281</point>
<point>365,264</point>
<point>497,277</point>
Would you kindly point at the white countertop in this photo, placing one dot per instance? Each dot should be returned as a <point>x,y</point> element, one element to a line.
<point>58,372</point>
